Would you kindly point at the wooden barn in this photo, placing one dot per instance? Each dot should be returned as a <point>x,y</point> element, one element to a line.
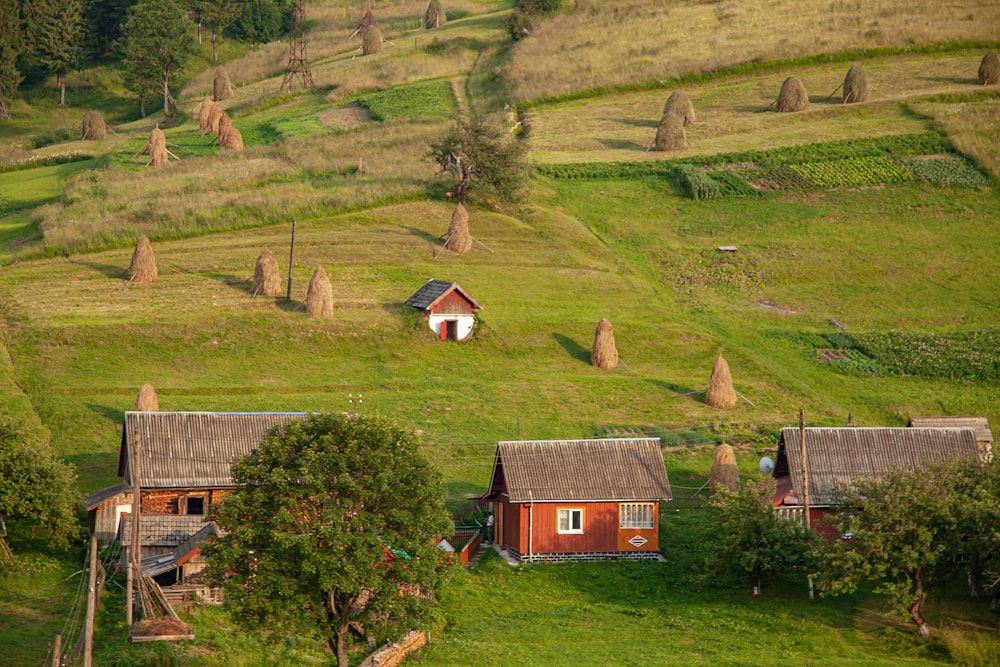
<point>981,425</point>
<point>841,457</point>
<point>579,499</point>
<point>451,312</point>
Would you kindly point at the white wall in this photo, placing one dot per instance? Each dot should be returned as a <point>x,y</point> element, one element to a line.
<point>465,324</point>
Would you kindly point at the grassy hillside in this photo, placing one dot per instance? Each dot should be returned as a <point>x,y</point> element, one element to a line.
<point>875,298</point>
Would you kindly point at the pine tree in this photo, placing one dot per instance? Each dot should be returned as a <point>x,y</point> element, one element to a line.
<point>11,45</point>
<point>156,41</point>
<point>55,33</point>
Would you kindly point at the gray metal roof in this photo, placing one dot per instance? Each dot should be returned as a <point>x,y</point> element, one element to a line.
<point>108,492</point>
<point>161,530</point>
<point>192,450</point>
<point>980,424</point>
<point>623,469</point>
<point>842,457</point>
<point>433,291</point>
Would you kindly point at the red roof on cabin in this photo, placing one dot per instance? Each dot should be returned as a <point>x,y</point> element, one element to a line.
<point>433,291</point>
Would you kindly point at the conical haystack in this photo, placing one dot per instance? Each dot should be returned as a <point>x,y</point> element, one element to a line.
<point>266,279</point>
<point>459,239</point>
<point>224,126</point>
<point>156,146</point>
<point>319,296</point>
<point>670,134</point>
<point>93,127</point>
<point>720,392</point>
<point>989,69</point>
<point>604,354</point>
<point>232,140</point>
<point>434,16</point>
<point>855,85</point>
<point>680,104</point>
<point>203,115</point>
<point>222,87</point>
<point>147,400</point>
<point>214,116</point>
<point>371,39</point>
<point>142,269</point>
<point>793,96</point>
<point>724,471</point>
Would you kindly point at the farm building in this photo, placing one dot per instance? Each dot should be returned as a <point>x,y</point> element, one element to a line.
<point>578,499</point>
<point>840,457</point>
<point>451,311</point>
<point>981,425</point>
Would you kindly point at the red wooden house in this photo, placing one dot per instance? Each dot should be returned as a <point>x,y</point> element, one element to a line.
<point>451,312</point>
<point>579,499</point>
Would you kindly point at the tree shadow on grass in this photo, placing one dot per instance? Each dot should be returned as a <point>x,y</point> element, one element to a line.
<point>574,349</point>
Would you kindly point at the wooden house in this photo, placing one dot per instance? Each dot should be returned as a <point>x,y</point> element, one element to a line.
<point>451,312</point>
<point>981,425</point>
<point>839,458</point>
<point>578,499</point>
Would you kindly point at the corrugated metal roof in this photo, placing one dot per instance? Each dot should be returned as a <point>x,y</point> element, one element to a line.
<point>99,496</point>
<point>193,450</point>
<point>433,291</point>
<point>980,424</point>
<point>842,457</point>
<point>580,470</point>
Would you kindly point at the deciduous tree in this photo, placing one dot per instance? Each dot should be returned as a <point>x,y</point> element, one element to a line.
<point>157,36</point>
<point>334,517</point>
<point>479,148</point>
<point>55,33</point>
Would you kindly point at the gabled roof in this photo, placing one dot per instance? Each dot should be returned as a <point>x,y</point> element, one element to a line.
<point>980,424</point>
<point>192,450</point>
<point>622,469</point>
<point>842,457</point>
<point>433,291</point>
<point>107,493</point>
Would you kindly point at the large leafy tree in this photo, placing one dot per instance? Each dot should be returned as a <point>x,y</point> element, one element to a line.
<point>478,148</point>
<point>11,45</point>
<point>216,14</point>
<point>750,542</point>
<point>37,490</point>
<point>334,517</point>
<point>157,36</point>
<point>55,34</point>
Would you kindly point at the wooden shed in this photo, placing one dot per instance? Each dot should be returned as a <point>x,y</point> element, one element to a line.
<point>579,499</point>
<point>838,458</point>
<point>981,425</point>
<point>451,311</point>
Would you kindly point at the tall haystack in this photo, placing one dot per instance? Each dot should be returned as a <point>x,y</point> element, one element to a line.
<point>604,354</point>
<point>720,392</point>
<point>434,16</point>
<point>367,20</point>
<point>203,115</point>
<point>224,126</point>
<point>855,85</point>
<point>232,140</point>
<point>724,472</point>
<point>680,104</point>
<point>670,134</point>
<point>793,96</point>
<point>147,400</point>
<point>371,39</point>
<point>156,146</point>
<point>989,69</point>
<point>142,269</point>
<point>266,279</point>
<point>93,127</point>
<point>319,296</point>
<point>459,240</point>
<point>222,87</point>
<point>214,116</point>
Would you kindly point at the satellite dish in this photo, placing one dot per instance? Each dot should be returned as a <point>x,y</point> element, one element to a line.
<point>766,465</point>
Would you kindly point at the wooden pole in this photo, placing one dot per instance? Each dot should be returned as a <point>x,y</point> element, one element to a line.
<point>805,471</point>
<point>133,556</point>
<point>57,652</point>
<point>291,258</point>
<point>88,636</point>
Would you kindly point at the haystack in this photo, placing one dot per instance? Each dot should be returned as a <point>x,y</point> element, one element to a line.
<point>459,239</point>
<point>371,40</point>
<point>793,96</point>
<point>232,140</point>
<point>720,392</point>
<point>367,20</point>
<point>142,269</point>
<point>222,87</point>
<point>855,85</point>
<point>93,127</point>
<point>224,126</point>
<point>214,116</point>
<point>724,472</point>
<point>147,400</point>
<point>319,296</point>
<point>670,134</point>
<point>680,104</point>
<point>604,354</point>
<point>156,146</point>
<point>989,69</point>
<point>266,279</point>
<point>203,115</point>
<point>434,16</point>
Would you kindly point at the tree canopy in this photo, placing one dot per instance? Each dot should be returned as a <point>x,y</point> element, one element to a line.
<point>482,149</point>
<point>334,517</point>
<point>11,44</point>
<point>55,34</point>
<point>157,39</point>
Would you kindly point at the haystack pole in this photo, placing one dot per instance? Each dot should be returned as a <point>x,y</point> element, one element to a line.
<point>222,87</point>
<point>989,69</point>
<point>93,127</point>
<point>319,295</point>
<point>721,393</point>
<point>793,96</point>
<point>147,400</point>
<point>434,16</point>
<point>724,472</point>
<point>604,354</point>
<point>459,240</point>
<point>266,276</point>
<point>142,269</point>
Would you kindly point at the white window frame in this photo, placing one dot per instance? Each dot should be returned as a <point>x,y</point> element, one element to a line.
<point>569,513</point>
<point>636,516</point>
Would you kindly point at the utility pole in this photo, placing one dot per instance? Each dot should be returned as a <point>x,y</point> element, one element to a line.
<point>805,486</point>
<point>134,562</point>
<point>88,631</point>
<point>298,62</point>
<point>291,259</point>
